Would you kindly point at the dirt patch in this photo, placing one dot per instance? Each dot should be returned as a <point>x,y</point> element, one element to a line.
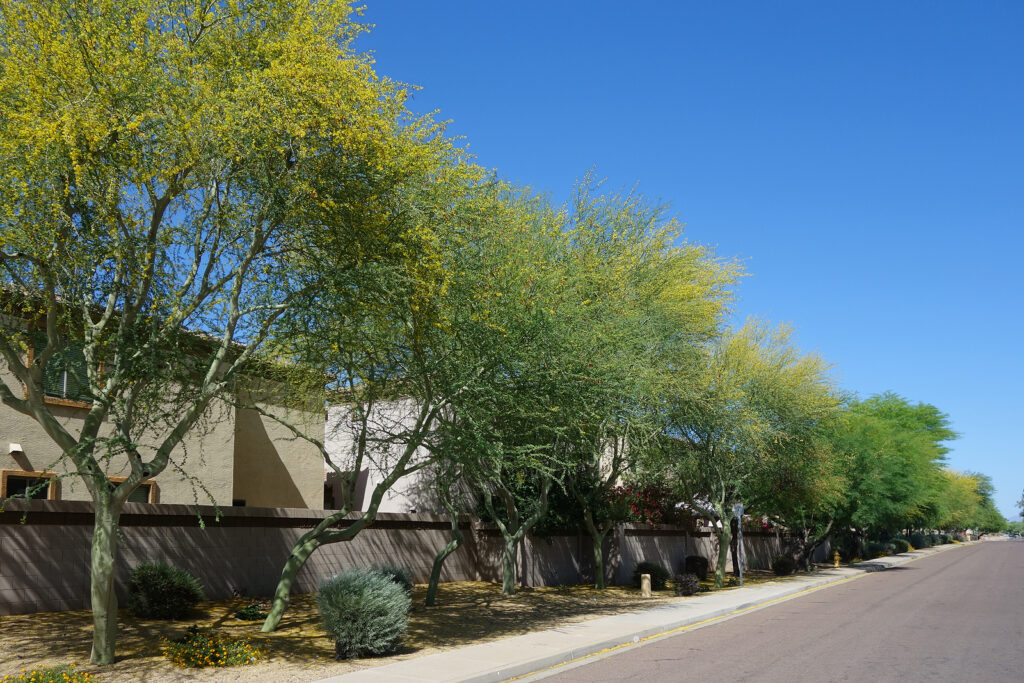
<point>467,613</point>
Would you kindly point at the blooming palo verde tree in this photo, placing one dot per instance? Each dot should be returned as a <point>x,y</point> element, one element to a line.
<point>163,164</point>
<point>753,409</point>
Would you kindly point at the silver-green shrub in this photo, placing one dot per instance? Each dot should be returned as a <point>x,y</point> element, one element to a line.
<point>397,573</point>
<point>365,612</point>
<point>902,545</point>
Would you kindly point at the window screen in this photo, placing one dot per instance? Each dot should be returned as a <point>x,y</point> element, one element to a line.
<point>141,494</point>
<point>65,375</point>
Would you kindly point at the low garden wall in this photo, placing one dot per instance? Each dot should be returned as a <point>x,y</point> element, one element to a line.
<point>44,550</point>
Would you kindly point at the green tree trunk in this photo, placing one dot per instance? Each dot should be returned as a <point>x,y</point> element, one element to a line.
<point>597,536</point>
<point>103,563</point>
<point>724,533</point>
<point>515,531</point>
<point>508,566</point>
<point>455,540</point>
<point>282,595</point>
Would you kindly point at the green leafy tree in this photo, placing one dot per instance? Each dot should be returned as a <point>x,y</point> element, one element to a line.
<point>987,517</point>
<point>562,312</point>
<point>895,451</point>
<point>508,309</point>
<point>753,409</point>
<point>645,306</point>
<point>805,494</point>
<point>162,166</point>
<point>375,330</point>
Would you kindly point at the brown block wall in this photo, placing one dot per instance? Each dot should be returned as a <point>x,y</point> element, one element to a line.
<point>44,562</point>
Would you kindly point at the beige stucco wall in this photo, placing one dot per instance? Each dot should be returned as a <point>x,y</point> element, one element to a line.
<point>273,468</point>
<point>206,453</point>
<point>276,470</point>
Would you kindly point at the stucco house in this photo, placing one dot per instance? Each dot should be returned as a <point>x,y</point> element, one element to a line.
<point>242,457</point>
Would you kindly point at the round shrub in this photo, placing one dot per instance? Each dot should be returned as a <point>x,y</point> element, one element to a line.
<point>783,565</point>
<point>936,539</point>
<point>696,564</point>
<point>254,611</point>
<point>946,538</point>
<point>686,584</point>
<point>659,575</point>
<point>880,549</point>
<point>364,611</point>
<point>901,545</point>
<point>919,540</point>
<point>159,591</point>
<point>400,575</point>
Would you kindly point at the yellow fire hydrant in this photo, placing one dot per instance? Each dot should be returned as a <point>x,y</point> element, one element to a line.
<point>835,559</point>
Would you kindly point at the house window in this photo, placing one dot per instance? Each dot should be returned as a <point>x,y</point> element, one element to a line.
<point>146,492</point>
<point>65,374</point>
<point>33,485</point>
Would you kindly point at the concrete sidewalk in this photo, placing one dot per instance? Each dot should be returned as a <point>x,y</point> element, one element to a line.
<point>523,655</point>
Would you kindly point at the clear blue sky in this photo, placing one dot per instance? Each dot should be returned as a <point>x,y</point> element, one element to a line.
<point>864,160</point>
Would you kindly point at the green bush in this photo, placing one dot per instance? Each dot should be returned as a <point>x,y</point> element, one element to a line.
<point>901,545</point>
<point>946,538</point>
<point>783,565</point>
<point>880,549</point>
<point>159,591</point>
<point>400,575</point>
<point>696,564</point>
<point>936,539</point>
<point>202,647</point>
<point>960,537</point>
<point>848,547</point>
<point>364,611</point>
<point>254,611</point>
<point>919,540</point>
<point>659,575</point>
<point>686,584</point>
<point>53,674</point>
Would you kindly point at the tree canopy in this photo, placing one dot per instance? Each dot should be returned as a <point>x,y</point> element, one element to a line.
<point>166,168</point>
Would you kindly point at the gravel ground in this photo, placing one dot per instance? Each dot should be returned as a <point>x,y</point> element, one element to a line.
<point>467,613</point>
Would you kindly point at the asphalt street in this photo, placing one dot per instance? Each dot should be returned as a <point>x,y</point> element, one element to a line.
<point>955,616</point>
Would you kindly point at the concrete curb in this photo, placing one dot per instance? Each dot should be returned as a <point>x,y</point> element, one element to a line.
<point>521,656</point>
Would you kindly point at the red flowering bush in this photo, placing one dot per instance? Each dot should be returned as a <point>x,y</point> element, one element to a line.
<point>651,504</point>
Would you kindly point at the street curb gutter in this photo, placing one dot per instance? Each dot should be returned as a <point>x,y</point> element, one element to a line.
<point>487,658</point>
<point>861,569</point>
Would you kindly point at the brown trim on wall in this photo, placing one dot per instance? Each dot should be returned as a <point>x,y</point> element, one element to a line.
<point>659,531</point>
<point>79,513</point>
